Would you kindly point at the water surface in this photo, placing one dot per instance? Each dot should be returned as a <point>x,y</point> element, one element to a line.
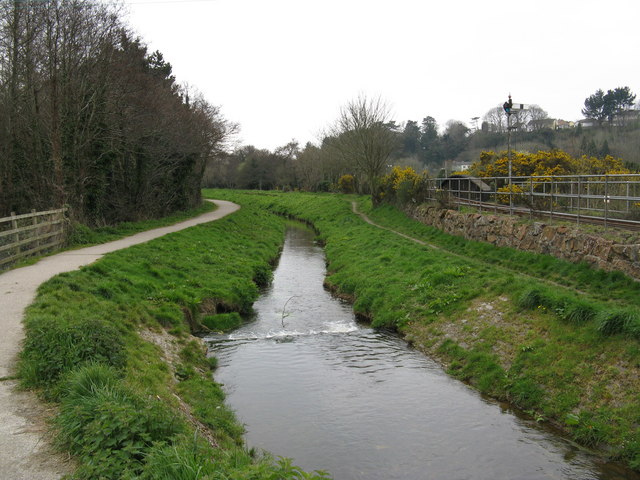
<point>310,383</point>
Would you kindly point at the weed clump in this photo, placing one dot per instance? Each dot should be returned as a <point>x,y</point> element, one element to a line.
<point>615,322</point>
<point>54,347</point>
<point>534,298</point>
<point>108,426</point>
<point>577,312</point>
<point>222,322</point>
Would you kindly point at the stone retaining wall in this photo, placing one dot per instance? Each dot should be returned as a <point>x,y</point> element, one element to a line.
<point>560,241</point>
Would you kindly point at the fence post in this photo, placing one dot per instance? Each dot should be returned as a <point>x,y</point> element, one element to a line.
<point>551,202</point>
<point>531,204</point>
<point>579,193</point>
<point>16,236</point>
<point>628,202</point>
<point>606,200</point>
<point>36,231</point>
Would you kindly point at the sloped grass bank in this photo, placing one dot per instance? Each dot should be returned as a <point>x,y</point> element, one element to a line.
<point>137,409</point>
<point>82,236</point>
<point>510,323</point>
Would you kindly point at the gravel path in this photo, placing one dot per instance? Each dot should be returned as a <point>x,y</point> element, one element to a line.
<point>25,452</point>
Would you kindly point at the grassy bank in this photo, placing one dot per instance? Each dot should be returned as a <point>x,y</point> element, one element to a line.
<point>112,345</point>
<point>83,236</point>
<point>558,340</point>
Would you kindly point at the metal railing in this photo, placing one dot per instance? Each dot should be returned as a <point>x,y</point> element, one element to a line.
<point>606,199</point>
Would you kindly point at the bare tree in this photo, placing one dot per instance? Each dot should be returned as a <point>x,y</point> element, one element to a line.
<point>496,118</point>
<point>363,137</point>
<point>538,118</point>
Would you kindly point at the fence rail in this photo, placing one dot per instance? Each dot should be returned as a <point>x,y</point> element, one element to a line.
<point>29,234</point>
<point>607,199</point>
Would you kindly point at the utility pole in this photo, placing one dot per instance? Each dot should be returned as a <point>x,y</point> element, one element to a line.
<point>509,108</point>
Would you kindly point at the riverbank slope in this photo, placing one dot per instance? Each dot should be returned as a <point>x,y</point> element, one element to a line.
<point>555,339</point>
<point>110,346</point>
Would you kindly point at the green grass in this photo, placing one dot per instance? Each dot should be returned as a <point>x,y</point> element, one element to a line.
<point>82,236</point>
<point>547,348</point>
<point>119,410</point>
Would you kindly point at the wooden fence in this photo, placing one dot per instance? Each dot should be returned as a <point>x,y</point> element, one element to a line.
<point>30,234</point>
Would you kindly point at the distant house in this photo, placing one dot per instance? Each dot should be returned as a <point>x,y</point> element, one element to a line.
<point>619,119</point>
<point>463,186</point>
<point>588,122</point>
<point>560,124</point>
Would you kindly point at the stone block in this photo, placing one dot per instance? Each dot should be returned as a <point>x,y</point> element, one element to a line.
<point>632,252</point>
<point>537,228</point>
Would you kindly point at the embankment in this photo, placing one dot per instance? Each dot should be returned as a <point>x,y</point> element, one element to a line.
<point>561,241</point>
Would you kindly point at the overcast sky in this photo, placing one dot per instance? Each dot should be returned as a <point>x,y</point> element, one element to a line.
<point>282,68</point>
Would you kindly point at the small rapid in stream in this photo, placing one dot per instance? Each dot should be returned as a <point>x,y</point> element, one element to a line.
<point>311,383</point>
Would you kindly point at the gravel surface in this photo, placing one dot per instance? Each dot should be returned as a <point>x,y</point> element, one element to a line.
<point>25,451</point>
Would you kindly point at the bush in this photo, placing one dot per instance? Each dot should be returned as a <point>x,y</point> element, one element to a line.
<point>80,234</point>
<point>619,322</point>
<point>402,186</point>
<point>347,184</point>
<point>515,192</point>
<point>54,347</point>
<point>109,427</point>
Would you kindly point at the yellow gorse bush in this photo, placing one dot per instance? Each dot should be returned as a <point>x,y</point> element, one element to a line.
<point>516,192</point>
<point>402,184</point>
<point>544,164</point>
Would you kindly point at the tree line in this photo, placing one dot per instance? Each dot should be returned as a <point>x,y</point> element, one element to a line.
<point>364,126</point>
<point>90,119</point>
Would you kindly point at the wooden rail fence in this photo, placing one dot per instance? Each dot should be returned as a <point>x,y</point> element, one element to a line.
<point>30,234</point>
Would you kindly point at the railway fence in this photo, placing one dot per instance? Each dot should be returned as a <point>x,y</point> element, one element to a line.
<point>610,200</point>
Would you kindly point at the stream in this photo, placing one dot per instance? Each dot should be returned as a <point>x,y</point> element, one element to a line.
<point>311,383</point>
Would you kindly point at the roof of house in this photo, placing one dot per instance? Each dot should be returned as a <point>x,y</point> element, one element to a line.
<point>476,181</point>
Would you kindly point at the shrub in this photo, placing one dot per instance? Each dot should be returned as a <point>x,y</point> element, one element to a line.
<point>516,194</point>
<point>402,186</point>
<point>109,427</point>
<point>347,184</point>
<point>54,347</point>
<point>80,234</point>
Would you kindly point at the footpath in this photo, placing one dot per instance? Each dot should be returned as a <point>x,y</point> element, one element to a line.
<point>25,445</point>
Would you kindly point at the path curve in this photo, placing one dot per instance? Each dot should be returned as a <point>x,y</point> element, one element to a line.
<point>25,452</point>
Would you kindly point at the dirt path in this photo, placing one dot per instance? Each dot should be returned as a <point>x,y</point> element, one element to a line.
<point>25,452</point>
<point>354,207</point>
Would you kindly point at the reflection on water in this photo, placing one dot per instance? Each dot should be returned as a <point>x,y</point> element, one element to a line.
<point>312,384</point>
